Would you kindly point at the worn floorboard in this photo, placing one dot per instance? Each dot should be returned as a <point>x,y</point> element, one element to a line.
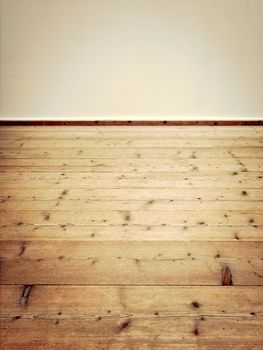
<point>131,237</point>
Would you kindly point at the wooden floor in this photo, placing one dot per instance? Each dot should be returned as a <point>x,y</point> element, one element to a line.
<point>131,237</point>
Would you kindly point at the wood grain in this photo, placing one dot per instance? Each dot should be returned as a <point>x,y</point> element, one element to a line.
<point>132,165</point>
<point>142,250</point>
<point>125,217</point>
<point>130,233</point>
<point>130,153</point>
<point>93,302</point>
<point>31,192</point>
<point>124,142</point>
<point>120,237</point>
<point>150,333</point>
<point>149,205</point>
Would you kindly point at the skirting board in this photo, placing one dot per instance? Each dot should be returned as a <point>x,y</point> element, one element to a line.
<point>130,120</point>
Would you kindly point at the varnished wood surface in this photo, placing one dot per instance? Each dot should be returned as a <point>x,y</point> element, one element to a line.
<point>124,237</point>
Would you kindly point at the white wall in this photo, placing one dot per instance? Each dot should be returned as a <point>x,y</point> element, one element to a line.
<point>131,57</point>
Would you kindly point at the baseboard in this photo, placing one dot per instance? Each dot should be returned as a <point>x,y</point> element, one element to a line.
<point>131,122</point>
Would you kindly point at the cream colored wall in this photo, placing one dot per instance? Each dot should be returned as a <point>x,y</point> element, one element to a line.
<point>144,58</point>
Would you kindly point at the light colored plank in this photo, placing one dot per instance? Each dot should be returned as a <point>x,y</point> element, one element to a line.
<point>125,217</point>
<point>168,168</point>
<point>31,192</point>
<point>127,131</point>
<point>131,233</point>
<point>175,333</point>
<point>133,165</point>
<point>134,134</point>
<point>134,263</point>
<point>231,168</point>
<point>68,302</point>
<point>120,133</point>
<point>129,272</point>
<point>158,142</point>
<point>134,179</point>
<point>153,204</point>
<point>120,180</point>
<point>131,153</point>
<point>164,250</point>
<point>188,177</point>
<point>134,131</point>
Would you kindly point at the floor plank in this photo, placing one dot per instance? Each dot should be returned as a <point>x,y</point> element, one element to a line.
<point>142,250</point>
<point>93,302</point>
<point>125,217</point>
<point>131,153</point>
<point>130,233</point>
<point>133,165</point>
<point>137,205</point>
<point>140,183</point>
<point>127,131</point>
<point>31,191</point>
<point>133,263</point>
<point>124,142</point>
<point>151,333</point>
<point>130,271</point>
